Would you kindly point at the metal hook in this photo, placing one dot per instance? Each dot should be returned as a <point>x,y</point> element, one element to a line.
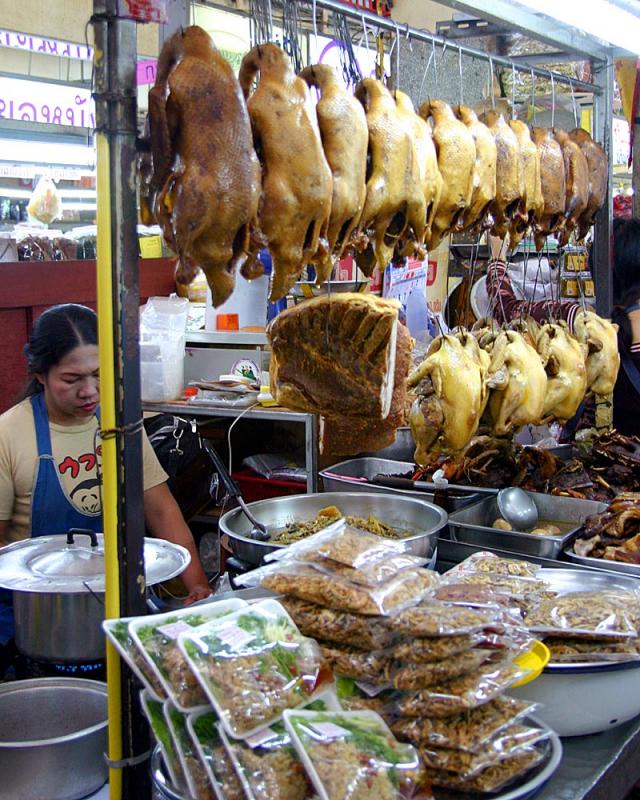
<point>435,64</point>
<point>493,97</point>
<point>533,97</point>
<point>366,42</point>
<point>513,90</point>
<point>460,75</point>
<point>315,26</point>
<point>424,77</point>
<point>396,44</point>
<point>575,107</point>
<point>553,99</point>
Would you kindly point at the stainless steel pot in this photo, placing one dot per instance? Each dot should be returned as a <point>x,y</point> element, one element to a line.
<point>53,737</point>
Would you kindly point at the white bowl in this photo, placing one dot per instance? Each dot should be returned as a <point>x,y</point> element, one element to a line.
<point>578,701</point>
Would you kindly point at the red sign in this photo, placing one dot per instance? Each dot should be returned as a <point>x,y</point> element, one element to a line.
<point>145,10</point>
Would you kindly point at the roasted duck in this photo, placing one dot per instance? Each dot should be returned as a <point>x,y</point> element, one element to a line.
<point>532,203</point>
<point>395,206</point>
<point>425,151</point>
<point>450,395</point>
<point>603,359</point>
<point>206,177</point>
<point>484,173</point>
<point>456,161</point>
<point>345,138</point>
<point>614,534</point>
<point>335,355</point>
<point>509,178</point>
<point>296,179</point>
<point>564,360</point>
<point>552,177</point>
<point>598,178</point>
<point>576,171</point>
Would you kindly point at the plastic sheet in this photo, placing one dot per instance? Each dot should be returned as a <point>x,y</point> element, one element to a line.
<point>438,619</point>
<point>591,614</point>
<point>491,779</point>
<point>203,729</point>
<point>422,676</point>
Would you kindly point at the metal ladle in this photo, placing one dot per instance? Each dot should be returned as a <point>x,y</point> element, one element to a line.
<point>258,531</point>
<point>515,505</point>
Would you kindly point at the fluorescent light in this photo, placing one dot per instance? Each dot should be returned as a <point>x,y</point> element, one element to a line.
<point>18,151</point>
<point>598,18</point>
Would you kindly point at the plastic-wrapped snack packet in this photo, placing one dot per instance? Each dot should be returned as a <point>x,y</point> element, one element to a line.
<point>591,614</point>
<point>370,574</point>
<point>469,730</point>
<point>491,779</point>
<point>507,743</point>
<point>267,763</point>
<point>486,562</point>
<point>373,666</point>
<point>156,637</point>
<point>254,664</point>
<point>349,546</point>
<point>438,619</point>
<point>306,583</point>
<point>502,585</point>
<point>118,632</point>
<point>435,648</point>
<point>353,755</point>
<point>203,729</point>
<point>319,622</point>
<point>193,769</point>
<point>421,676</point>
<point>353,697</point>
<point>567,651</point>
<point>154,712</point>
<point>463,693</point>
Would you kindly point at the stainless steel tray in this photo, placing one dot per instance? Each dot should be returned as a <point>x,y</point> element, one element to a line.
<point>601,563</point>
<point>473,525</point>
<point>574,579</point>
<point>355,474</point>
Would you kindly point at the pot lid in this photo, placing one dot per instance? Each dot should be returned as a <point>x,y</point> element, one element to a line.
<point>64,563</point>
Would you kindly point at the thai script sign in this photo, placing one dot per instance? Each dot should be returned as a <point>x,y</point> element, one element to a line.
<point>52,103</point>
<point>49,47</point>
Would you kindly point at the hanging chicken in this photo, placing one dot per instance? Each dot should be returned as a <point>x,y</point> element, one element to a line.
<point>603,358</point>
<point>576,171</point>
<point>484,173</point>
<point>395,206</point>
<point>532,202</point>
<point>553,183</point>
<point>296,179</point>
<point>509,179</point>
<point>598,178</point>
<point>205,184</point>
<point>456,161</point>
<point>564,358</point>
<point>345,138</point>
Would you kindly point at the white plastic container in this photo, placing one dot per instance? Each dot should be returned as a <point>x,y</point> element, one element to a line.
<point>162,339</point>
<point>248,301</point>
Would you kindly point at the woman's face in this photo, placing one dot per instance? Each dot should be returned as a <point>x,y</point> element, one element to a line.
<point>71,387</point>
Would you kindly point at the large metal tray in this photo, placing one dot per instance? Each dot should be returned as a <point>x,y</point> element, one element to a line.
<point>355,474</point>
<point>473,525</point>
<point>600,563</point>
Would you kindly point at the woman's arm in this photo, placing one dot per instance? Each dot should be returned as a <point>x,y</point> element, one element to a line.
<point>164,519</point>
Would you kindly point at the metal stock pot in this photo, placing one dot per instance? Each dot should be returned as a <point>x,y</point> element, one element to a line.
<point>58,591</point>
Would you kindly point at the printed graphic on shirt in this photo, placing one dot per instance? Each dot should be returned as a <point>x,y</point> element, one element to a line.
<point>80,479</point>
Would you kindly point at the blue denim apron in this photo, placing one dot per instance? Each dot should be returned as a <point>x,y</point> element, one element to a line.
<point>51,510</point>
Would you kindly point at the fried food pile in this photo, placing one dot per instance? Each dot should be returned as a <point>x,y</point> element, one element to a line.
<point>615,534</point>
<point>237,165</point>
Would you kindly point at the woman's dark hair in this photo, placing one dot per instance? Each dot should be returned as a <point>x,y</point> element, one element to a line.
<point>57,332</point>
<point>626,261</point>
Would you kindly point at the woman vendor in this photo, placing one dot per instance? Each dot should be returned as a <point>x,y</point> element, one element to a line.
<point>50,450</point>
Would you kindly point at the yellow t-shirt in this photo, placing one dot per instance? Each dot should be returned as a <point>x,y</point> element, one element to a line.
<point>76,453</point>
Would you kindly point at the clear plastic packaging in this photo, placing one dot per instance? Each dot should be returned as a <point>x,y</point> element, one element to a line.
<point>118,632</point>
<point>366,633</point>
<point>253,665</point>
<point>469,730</point>
<point>422,676</point>
<point>591,614</point>
<point>371,575</point>
<point>438,619</point>
<point>203,727</point>
<point>492,779</point>
<point>268,765</point>
<point>513,587</point>
<point>505,744</point>
<point>490,563</point>
<point>193,769</point>
<point>427,650</point>
<point>154,712</point>
<point>571,651</point>
<point>365,666</point>
<point>461,694</point>
<point>353,755</point>
<point>306,583</point>
<point>157,638</point>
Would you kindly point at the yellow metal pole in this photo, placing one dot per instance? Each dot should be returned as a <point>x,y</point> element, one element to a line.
<point>109,453</point>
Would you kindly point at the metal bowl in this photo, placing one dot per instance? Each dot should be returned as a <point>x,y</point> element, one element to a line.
<point>408,513</point>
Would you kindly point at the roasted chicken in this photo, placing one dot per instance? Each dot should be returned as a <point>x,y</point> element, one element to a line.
<point>532,203</point>
<point>456,161</point>
<point>345,138</point>
<point>553,182</point>
<point>395,206</point>
<point>598,178</point>
<point>509,179</point>
<point>484,173</point>
<point>564,359</point>
<point>576,171</point>
<point>425,151</point>
<point>450,394</point>
<point>206,177</point>
<point>603,359</point>
<point>296,179</point>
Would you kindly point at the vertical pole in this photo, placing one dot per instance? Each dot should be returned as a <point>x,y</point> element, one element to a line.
<point>635,165</point>
<point>118,301</point>
<point>602,125</point>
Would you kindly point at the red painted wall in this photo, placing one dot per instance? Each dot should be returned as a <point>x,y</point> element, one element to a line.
<point>28,288</point>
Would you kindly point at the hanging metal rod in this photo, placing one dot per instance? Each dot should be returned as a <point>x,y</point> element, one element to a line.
<point>424,36</point>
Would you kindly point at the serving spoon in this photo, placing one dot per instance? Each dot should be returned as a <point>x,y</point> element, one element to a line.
<point>515,505</point>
